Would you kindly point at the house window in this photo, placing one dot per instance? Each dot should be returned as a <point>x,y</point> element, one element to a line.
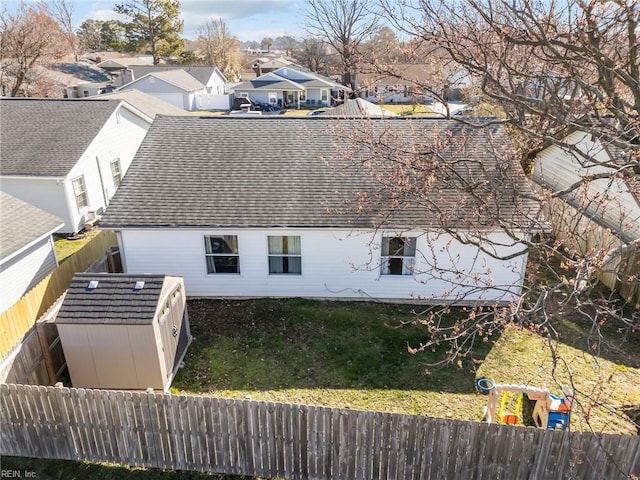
<point>80,192</point>
<point>243,95</point>
<point>116,173</point>
<point>303,96</point>
<point>398,255</point>
<point>285,255</point>
<point>325,95</point>
<point>273,98</point>
<point>221,254</point>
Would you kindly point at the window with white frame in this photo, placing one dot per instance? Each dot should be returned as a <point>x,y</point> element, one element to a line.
<point>80,192</point>
<point>303,95</point>
<point>398,255</point>
<point>285,255</point>
<point>221,254</point>
<point>325,95</point>
<point>273,98</point>
<point>116,172</point>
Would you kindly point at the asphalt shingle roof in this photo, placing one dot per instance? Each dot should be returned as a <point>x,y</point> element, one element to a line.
<point>113,301</point>
<point>200,73</point>
<point>147,104</point>
<point>22,223</point>
<point>314,172</point>
<point>358,107</point>
<point>43,137</point>
<point>177,78</point>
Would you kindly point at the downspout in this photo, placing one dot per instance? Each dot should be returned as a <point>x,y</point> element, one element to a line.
<point>104,194</point>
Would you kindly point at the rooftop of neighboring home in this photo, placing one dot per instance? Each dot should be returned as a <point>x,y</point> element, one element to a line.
<point>357,107</point>
<point>317,172</point>
<point>147,104</point>
<point>178,78</point>
<point>200,73</point>
<point>23,224</point>
<point>47,137</point>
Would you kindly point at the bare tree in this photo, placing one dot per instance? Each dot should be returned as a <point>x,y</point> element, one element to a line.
<point>62,11</point>
<point>29,38</point>
<point>562,76</point>
<point>313,55</point>
<point>345,25</point>
<point>217,46</point>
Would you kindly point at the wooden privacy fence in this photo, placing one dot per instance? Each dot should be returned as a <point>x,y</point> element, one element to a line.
<point>293,441</point>
<point>21,317</point>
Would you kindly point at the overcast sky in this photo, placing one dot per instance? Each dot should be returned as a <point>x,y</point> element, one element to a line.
<point>247,19</point>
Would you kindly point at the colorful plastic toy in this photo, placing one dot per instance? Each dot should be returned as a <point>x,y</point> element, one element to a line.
<point>550,411</point>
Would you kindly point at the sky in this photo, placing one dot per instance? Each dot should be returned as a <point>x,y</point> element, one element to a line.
<point>246,19</point>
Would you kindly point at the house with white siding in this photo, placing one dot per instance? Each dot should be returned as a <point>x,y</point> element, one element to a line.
<point>27,254</point>
<point>68,156</point>
<point>594,206</point>
<point>290,87</point>
<point>183,87</point>
<point>270,207</point>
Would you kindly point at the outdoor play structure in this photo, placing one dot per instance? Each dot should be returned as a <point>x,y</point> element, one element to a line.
<point>508,404</point>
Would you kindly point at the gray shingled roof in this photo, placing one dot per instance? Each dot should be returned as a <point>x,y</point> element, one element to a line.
<point>200,72</point>
<point>177,78</point>
<point>22,223</point>
<point>43,137</point>
<point>113,301</point>
<point>358,107</point>
<point>147,104</point>
<point>308,172</point>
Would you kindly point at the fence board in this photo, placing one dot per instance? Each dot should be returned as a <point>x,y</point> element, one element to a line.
<point>290,441</point>
<point>18,320</point>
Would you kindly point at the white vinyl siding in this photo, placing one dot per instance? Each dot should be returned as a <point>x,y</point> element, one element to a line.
<point>335,264</point>
<point>23,272</point>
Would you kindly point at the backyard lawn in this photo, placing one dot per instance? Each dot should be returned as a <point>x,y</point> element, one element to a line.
<point>65,248</point>
<point>354,355</point>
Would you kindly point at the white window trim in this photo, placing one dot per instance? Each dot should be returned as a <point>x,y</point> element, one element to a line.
<point>113,162</point>
<point>408,261</point>
<point>288,255</point>
<point>207,255</point>
<point>83,193</point>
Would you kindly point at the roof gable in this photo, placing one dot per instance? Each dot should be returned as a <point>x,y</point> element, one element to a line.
<point>176,78</point>
<point>23,224</point>
<point>293,172</point>
<point>201,73</point>
<point>43,137</point>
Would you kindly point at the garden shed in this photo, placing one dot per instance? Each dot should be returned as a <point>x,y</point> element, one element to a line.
<point>121,331</point>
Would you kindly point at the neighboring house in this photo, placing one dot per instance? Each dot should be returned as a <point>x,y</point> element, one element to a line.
<point>403,83</point>
<point>291,87</point>
<point>269,207</point>
<point>116,64</point>
<point>210,76</point>
<point>180,89</point>
<point>27,254</point>
<point>147,104</point>
<point>599,209</point>
<point>68,157</point>
<point>357,107</point>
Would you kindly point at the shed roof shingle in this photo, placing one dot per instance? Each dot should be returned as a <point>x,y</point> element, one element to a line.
<point>113,301</point>
<point>43,137</point>
<point>302,172</point>
<point>22,223</point>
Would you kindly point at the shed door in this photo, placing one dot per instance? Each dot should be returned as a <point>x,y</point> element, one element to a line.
<point>170,331</point>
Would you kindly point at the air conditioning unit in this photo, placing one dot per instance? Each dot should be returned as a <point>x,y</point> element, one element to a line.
<point>92,217</point>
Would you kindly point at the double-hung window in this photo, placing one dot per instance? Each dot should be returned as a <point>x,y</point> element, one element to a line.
<point>116,173</point>
<point>221,254</point>
<point>285,255</point>
<point>80,192</point>
<point>398,255</point>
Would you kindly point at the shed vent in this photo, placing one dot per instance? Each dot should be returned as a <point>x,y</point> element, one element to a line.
<point>93,284</point>
<point>139,285</point>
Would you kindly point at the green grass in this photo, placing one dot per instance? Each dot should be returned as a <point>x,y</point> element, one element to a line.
<point>342,354</point>
<point>354,355</point>
<point>65,248</point>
